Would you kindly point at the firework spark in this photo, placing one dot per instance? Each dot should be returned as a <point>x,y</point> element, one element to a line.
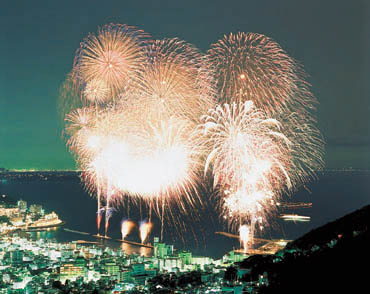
<point>96,91</point>
<point>250,66</point>
<point>176,79</point>
<point>142,119</point>
<point>249,157</point>
<point>145,229</point>
<point>160,161</point>
<point>253,67</point>
<point>126,228</point>
<point>99,215</point>
<point>245,237</point>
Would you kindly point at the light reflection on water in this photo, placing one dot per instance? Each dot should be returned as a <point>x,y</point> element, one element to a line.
<point>52,234</point>
<point>48,234</point>
<point>333,195</point>
<point>130,249</point>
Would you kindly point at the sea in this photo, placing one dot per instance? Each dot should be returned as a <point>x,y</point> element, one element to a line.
<point>333,194</point>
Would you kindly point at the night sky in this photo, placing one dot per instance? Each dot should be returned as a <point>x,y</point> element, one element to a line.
<point>39,39</point>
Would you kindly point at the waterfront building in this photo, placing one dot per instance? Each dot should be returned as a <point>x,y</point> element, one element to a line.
<point>22,205</point>
<point>9,211</point>
<point>17,221</point>
<point>125,275</point>
<point>36,210</point>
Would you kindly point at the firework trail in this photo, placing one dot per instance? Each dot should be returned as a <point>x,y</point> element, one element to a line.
<point>97,139</point>
<point>108,215</point>
<point>245,237</point>
<point>249,157</point>
<point>109,63</point>
<point>99,215</point>
<point>145,229</point>
<point>84,142</point>
<point>126,228</point>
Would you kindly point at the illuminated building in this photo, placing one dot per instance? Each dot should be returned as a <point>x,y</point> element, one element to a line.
<point>185,257</point>
<point>17,221</point>
<point>9,211</point>
<point>161,249</point>
<point>111,268</point>
<point>201,261</point>
<point>36,210</point>
<point>16,257</point>
<point>22,205</point>
<point>72,270</point>
<point>234,256</point>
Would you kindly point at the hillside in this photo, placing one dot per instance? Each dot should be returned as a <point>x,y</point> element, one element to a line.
<point>331,259</point>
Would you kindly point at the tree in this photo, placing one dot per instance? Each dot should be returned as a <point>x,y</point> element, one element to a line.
<point>231,273</point>
<point>4,219</point>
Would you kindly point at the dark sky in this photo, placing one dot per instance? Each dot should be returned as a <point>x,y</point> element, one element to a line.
<point>39,38</point>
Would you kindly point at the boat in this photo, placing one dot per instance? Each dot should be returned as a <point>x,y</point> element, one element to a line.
<point>44,227</point>
<point>77,232</point>
<point>295,217</point>
<point>102,237</point>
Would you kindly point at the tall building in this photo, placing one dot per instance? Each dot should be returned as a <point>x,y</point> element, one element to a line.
<point>186,257</point>
<point>162,250</point>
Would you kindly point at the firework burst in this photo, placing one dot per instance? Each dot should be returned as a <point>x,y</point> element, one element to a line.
<point>136,122</point>
<point>96,91</point>
<point>249,157</point>
<point>250,66</point>
<point>110,61</point>
<point>176,80</point>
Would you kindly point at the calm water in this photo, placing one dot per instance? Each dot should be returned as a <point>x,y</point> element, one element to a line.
<point>333,195</point>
